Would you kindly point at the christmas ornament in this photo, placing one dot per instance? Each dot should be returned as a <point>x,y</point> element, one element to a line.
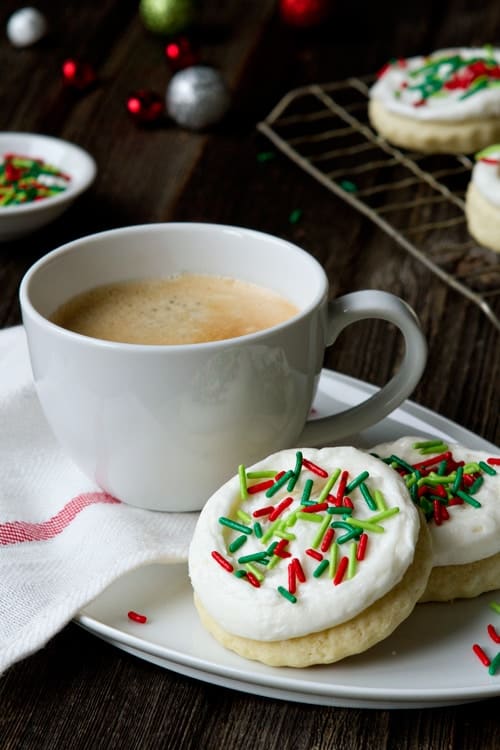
<point>26,27</point>
<point>197,97</point>
<point>79,75</point>
<point>304,13</point>
<point>180,53</point>
<point>145,106</point>
<point>167,16</point>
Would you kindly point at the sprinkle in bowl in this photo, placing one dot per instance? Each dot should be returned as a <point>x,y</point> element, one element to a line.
<point>47,173</point>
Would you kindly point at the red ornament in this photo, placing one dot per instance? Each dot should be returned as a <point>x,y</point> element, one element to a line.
<point>145,106</point>
<point>304,13</point>
<point>79,75</point>
<point>181,54</point>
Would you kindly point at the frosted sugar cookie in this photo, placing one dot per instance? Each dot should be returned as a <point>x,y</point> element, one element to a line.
<point>482,200</point>
<point>308,557</point>
<point>447,102</point>
<point>458,491</point>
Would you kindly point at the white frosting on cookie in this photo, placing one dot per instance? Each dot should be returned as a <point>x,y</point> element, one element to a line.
<point>486,177</point>
<point>263,613</point>
<point>470,533</point>
<point>398,87</point>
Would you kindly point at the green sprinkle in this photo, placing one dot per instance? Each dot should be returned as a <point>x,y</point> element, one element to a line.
<point>367,496</point>
<point>279,484</point>
<point>254,557</point>
<point>495,663</point>
<point>306,494</point>
<point>265,156</point>
<point>328,486</point>
<point>475,487</point>
<point>321,532</point>
<point>384,514</point>
<point>495,606</point>
<point>354,534</point>
<point>261,474</point>
<point>352,564</point>
<point>433,449</point>
<point>295,216</point>
<point>314,517</point>
<point>296,472</point>
<point>243,516</point>
<point>285,535</point>
<point>427,444</point>
<point>468,499</point>
<point>257,530</point>
<point>240,573</point>
<point>234,525</point>
<point>379,500</point>
<point>339,510</point>
<point>270,531</point>
<point>348,186</point>
<point>255,571</point>
<point>458,480</point>
<point>357,481</point>
<point>284,592</point>
<point>489,151</point>
<point>487,468</point>
<point>271,548</point>
<point>367,525</point>
<point>317,572</point>
<point>403,464</point>
<point>333,559</point>
<point>243,482</point>
<point>441,469</point>
<point>472,468</point>
<point>237,543</point>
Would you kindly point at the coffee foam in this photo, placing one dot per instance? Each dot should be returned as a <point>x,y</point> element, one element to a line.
<point>183,309</point>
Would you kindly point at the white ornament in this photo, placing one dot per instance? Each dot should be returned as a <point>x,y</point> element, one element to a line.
<point>26,27</point>
<point>197,97</point>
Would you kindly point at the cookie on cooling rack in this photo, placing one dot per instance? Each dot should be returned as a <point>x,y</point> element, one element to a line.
<point>447,102</point>
<point>458,490</point>
<point>482,200</point>
<point>308,557</point>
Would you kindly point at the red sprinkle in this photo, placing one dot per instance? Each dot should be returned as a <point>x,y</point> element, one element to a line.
<point>292,578</point>
<point>315,469</point>
<point>253,580</point>
<point>136,617</point>
<point>455,501</point>
<point>433,460</point>
<point>481,655</point>
<point>260,486</point>
<point>341,571</point>
<point>360,552</point>
<point>342,485</point>
<point>348,503</point>
<point>445,516</point>
<point>263,511</point>
<point>298,569</point>
<point>327,540</point>
<point>280,508</point>
<point>493,461</point>
<point>437,512</point>
<point>222,561</point>
<point>493,634</point>
<point>314,508</point>
<point>280,550</point>
<point>314,553</point>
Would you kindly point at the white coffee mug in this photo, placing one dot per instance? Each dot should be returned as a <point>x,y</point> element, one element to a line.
<point>161,427</point>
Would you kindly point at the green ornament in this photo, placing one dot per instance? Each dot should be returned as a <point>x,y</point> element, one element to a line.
<point>167,16</point>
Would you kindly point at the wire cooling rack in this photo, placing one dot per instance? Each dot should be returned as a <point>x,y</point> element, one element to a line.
<point>417,199</point>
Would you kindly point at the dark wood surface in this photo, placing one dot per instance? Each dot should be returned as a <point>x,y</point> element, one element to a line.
<point>79,692</point>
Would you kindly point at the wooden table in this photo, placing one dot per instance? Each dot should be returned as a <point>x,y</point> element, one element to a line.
<point>79,692</point>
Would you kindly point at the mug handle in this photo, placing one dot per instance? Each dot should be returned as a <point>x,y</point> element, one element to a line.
<point>359,306</point>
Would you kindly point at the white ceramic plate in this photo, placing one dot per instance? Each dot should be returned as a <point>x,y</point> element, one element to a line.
<point>18,220</point>
<point>427,661</point>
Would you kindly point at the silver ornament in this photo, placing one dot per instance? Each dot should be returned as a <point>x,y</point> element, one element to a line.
<point>197,97</point>
<point>26,27</point>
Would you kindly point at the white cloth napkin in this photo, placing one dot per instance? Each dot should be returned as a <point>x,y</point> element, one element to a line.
<point>62,540</point>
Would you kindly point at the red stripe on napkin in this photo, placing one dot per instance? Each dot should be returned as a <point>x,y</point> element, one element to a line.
<point>14,532</point>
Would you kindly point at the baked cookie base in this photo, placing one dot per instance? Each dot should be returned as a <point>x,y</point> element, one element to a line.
<point>483,218</point>
<point>327,646</point>
<point>434,136</point>
<point>463,581</point>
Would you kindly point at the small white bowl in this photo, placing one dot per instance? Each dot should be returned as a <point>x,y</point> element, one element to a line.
<point>24,218</point>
